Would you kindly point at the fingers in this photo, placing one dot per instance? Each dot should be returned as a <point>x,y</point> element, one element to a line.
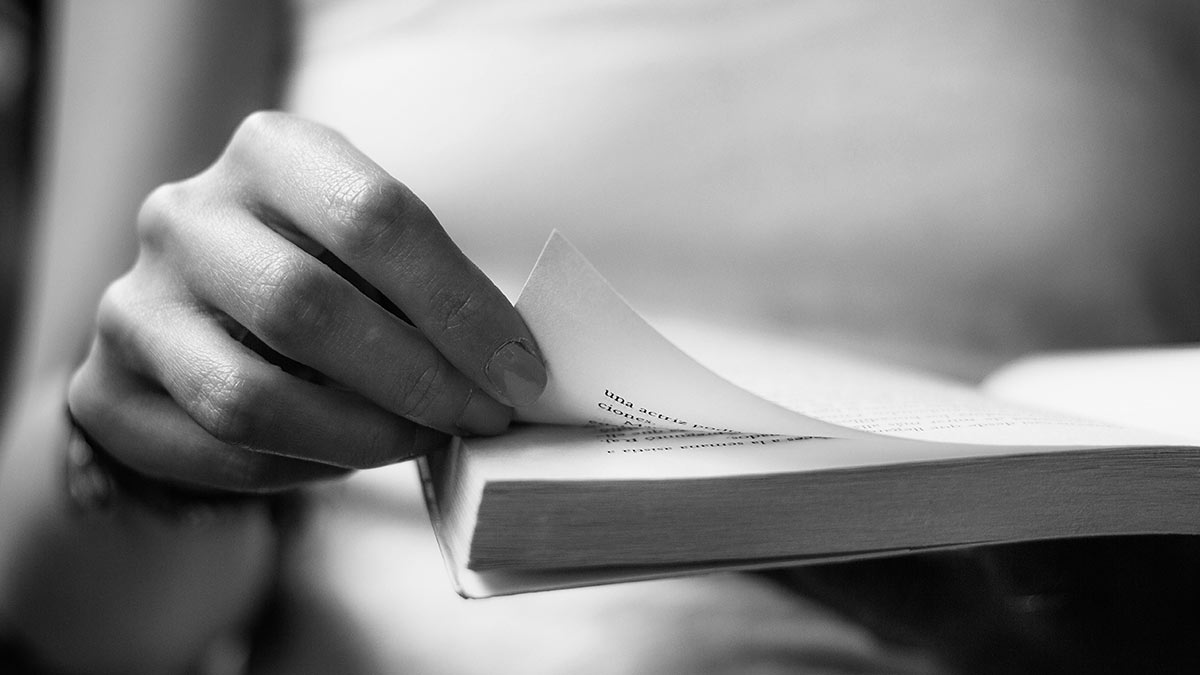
<point>329,192</point>
<point>244,401</point>
<point>152,435</point>
<point>304,310</point>
<point>221,408</point>
<point>367,334</point>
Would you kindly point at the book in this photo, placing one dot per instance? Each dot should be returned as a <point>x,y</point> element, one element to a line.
<point>720,450</point>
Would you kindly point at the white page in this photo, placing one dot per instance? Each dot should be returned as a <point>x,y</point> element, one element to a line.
<point>608,366</point>
<point>1155,388</point>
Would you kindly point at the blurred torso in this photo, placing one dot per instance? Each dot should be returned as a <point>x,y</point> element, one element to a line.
<point>947,185</point>
<point>951,185</point>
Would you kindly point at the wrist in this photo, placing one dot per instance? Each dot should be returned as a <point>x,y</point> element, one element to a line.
<point>97,482</point>
<point>119,588</point>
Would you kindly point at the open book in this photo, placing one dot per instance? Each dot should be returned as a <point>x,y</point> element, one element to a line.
<point>640,462</point>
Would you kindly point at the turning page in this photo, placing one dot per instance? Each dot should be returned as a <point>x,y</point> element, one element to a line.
<point>607,366</point>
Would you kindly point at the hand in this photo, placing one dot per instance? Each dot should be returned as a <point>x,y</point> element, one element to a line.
<point>295,312</point>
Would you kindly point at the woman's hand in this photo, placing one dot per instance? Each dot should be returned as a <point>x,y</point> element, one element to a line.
<point>295,312</point>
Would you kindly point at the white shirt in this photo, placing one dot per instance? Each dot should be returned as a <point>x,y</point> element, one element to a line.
<point>928,173</point>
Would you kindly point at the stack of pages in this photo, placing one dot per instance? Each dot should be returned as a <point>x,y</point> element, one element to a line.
<point>640,462</point>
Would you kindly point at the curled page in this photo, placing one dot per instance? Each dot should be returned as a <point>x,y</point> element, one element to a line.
<point>607,366</point>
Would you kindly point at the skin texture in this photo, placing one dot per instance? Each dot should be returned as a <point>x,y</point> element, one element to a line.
<point>264,264</point>
<point>236,251</point>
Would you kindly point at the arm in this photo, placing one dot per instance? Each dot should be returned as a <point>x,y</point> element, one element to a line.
<point>293,313</point>
<point>138,92</point>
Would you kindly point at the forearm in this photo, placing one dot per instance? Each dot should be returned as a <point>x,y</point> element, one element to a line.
<point>140,92</point>
<point>122,589</point>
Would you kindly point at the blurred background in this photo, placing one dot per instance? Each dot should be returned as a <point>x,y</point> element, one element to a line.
<point>947,183</point>
<point>18,42</point>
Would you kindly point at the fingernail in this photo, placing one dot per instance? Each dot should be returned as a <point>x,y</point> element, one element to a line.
<point>483,416</point>
<point>517,373</point>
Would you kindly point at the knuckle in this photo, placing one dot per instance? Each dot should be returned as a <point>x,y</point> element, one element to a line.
<point>456,310</point>
<point>270,128</point>
<point>413,397</point>
<point>370,213</point>
<point>133,318</point>
<point>296,303</point>
<point>161,213</point>
<point>116,316</point>
<point>259,125</point>
<point>228,405</point>
<point>83,396</point>
<point>256,130</point>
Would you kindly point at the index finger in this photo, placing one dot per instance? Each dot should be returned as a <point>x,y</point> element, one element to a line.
<point>315,181</point>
